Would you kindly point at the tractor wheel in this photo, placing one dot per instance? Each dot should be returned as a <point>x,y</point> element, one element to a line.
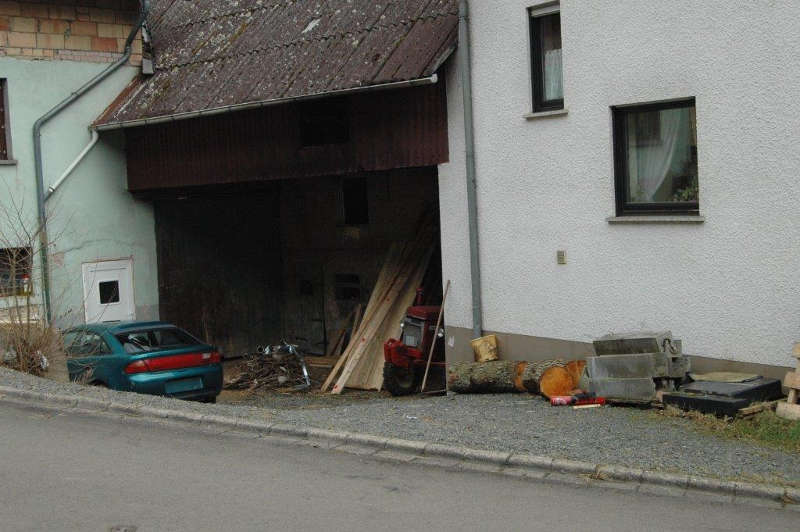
<point>399,381</point>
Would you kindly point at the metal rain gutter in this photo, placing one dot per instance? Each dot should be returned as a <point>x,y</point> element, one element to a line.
<point>430,80</point>
<point>41,197</point>
<point>465,66</point>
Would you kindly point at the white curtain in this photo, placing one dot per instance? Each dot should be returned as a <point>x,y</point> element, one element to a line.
<point>553,82</point>
<point>652,161</point>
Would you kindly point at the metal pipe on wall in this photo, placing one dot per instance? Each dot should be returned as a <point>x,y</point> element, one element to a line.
<point>41,195</point>
<point>465,66</point>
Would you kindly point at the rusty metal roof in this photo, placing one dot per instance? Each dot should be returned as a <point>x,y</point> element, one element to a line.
<point>216,53</point>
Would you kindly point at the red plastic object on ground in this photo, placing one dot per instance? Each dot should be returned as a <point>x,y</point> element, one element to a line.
<point>576,400</point>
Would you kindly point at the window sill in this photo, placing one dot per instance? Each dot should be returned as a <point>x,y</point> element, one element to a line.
<point>662,219</point>
<point>545,114</point>
<point>8,162</point>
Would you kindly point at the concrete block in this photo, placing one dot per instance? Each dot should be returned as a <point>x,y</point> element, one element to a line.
<point>571,466</point>
<point>639,389</point>
<point>9,8</point>
<point>619,473</point>
<point>530,461</point>
<point>621,366</point>
<point>763,491</point>
<point>78,42</point>
<point>23,24</point>
<point>21,40</point>
<point>289,430</point>
<point>479,467</point>
<point>409,446</point>
<point>51,41</point>
<point>83,28</point>
<point>379,442</point>
<point>394,456</point>
<point>358,450</point>
<point>62,12</point>
<point>665,479</point>
<point>712,485</point>
<point>104,44</point>
<point>631,343</point>
<point>53,26</point>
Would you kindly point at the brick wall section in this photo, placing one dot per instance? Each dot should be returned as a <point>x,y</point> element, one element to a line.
<point>74,30</point>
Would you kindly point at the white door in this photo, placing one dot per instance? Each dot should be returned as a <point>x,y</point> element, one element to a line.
<point>108,291</point>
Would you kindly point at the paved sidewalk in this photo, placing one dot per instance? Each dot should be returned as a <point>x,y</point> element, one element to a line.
<point>520,423</point>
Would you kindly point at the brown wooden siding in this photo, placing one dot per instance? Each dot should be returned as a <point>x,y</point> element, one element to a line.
<point>391,129</point>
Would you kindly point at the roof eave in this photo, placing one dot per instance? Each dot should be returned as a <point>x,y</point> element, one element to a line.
<point>429,80</point>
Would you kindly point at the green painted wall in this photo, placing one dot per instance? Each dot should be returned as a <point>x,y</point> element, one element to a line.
<point>92,216</point>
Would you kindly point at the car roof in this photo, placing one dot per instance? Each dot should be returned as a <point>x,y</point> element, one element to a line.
<point>122,326</point>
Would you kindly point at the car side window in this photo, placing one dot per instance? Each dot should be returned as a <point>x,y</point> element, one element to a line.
<point>85,344</point>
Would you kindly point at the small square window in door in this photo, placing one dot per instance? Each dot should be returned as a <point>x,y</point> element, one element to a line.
<point>109,292</point>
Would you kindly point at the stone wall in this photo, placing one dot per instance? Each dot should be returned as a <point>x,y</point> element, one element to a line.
<point>75,30</point>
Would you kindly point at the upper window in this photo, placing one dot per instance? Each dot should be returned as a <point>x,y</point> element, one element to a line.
<point>548,84</point>
<point>655,155</point>
<point>5,130</point>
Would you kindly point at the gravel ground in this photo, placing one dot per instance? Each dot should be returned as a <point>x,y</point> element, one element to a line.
<point>612,435</point>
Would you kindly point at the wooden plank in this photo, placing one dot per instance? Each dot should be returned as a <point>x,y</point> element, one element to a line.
<point>435,337</point>
<point>792,380</point>
<point>755,409</point>
<point>373,322</point>
<point>321,362</point>
<point>368,374</point>
<point>343,357</point>
<point>335,371</point>
<point>796,351</point>
<point>335,345</point>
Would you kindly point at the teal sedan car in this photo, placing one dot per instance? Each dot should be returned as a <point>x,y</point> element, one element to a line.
<point>144,357</point>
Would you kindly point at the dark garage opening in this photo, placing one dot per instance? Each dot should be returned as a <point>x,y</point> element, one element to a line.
<point>288,259</point>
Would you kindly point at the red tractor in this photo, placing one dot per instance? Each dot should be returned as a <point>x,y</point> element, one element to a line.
<point>405,359</point>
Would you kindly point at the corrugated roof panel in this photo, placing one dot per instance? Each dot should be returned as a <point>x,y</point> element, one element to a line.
<point>210,53</point>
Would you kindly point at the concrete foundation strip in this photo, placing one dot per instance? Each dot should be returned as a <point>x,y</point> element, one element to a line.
<point>517,464</point>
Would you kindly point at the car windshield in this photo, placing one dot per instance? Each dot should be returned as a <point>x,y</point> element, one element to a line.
<point>155,340</point>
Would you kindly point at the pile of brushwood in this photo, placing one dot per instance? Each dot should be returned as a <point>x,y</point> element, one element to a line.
<point>266,371</point>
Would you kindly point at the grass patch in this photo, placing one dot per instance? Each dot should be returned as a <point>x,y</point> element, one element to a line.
<point>765,428</point>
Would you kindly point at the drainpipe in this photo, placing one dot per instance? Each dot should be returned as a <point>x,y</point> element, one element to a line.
<point>469,140</point>
<point>92,141</point>
<point>37,152</point>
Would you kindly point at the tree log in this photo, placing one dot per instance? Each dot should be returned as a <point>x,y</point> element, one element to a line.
<point>548,377</point>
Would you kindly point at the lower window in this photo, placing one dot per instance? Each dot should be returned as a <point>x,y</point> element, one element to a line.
<point>655,158</point>
<point>15,271</point>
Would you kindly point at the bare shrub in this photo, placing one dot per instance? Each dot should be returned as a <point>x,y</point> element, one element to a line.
<point>28,342</point>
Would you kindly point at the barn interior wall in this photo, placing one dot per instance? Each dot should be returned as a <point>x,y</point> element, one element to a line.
<point>277,261</point>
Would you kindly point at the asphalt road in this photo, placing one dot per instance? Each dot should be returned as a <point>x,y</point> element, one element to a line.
<point>67,472</point>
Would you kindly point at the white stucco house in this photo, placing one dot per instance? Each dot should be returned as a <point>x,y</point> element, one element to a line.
<point>636,169</point>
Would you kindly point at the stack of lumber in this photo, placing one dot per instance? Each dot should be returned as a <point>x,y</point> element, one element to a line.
<point>791,408</point>
<point>547,377</point>
<point>403,270</point>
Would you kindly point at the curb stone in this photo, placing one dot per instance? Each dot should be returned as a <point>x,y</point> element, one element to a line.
<point>516,464</point>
